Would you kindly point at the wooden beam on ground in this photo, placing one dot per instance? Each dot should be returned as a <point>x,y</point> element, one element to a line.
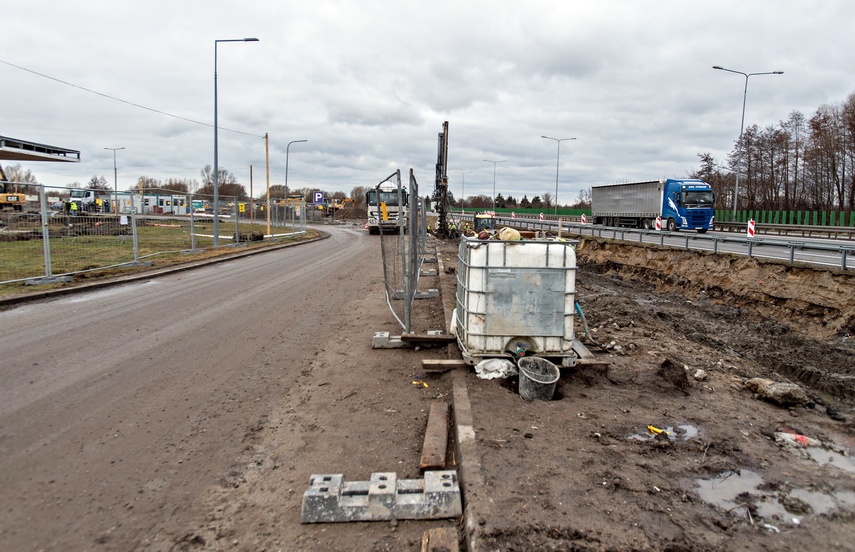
<point>440,539</point>
<point>428,338</point>
<point>436,438</point>
<point>437,365</point>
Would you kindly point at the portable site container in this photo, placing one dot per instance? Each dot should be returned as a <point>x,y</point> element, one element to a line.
<point>516,298</point>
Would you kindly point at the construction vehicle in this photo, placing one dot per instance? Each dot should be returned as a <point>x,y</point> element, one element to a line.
<point>10,199</point>
<point>678,204</point>
<point>440,193</point>
<point>337,204</point>
<point>485,221</point>
<point>388,208</point>
<point>91,200</point>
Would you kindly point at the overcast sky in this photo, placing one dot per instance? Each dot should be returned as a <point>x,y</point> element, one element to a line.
<point>368,84</point>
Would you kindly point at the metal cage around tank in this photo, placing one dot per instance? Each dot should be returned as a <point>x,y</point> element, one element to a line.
<point>515,298</point>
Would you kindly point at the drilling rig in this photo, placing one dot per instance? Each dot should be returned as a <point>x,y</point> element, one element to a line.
<point>440,193</point>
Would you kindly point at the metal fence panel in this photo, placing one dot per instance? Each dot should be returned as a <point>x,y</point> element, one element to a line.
<point>402,252</point>
<point>59,237</point>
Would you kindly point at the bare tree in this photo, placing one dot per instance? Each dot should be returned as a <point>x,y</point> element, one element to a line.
<point>357,194</point>
<point>547,200</point>
<point>146,185</point>
<point>98,183</point>
<point>21,180</point>
<point>228,184</point>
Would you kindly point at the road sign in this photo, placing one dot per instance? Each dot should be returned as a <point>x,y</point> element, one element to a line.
<point>751,228</point>
<point>659,223</point>
<point>584,218</point>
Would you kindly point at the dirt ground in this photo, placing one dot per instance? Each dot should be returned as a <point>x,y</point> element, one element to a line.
<point>683,335</point>
<point>202,456</point>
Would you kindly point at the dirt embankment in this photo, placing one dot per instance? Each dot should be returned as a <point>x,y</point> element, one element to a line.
<point>818,303</point>
<point>795,319</point>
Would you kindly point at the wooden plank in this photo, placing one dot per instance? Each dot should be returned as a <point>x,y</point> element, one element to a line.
<point>428,338</point>
<point>436,437</point>
<point>440,539</point>
<point>436,365</point>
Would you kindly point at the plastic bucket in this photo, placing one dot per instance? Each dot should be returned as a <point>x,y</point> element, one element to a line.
<point>538,377</point>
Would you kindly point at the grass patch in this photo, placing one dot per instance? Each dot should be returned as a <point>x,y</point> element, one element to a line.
<point>85,249</point>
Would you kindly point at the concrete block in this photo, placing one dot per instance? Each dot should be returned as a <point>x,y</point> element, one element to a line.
<point>427,294</point>
<point>384,340</point>
<point>384,497</point>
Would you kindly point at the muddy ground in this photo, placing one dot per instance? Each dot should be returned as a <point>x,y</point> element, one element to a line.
<point>683,334</point>
<point>151,454</point>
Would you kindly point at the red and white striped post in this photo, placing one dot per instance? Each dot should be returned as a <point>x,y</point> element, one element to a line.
<point>584,218</point>
<point>751,228</point>
<point>541,216</point>
<point>659,223</point>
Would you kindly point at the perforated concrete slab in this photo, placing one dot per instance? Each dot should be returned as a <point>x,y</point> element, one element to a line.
<point>384,497</point>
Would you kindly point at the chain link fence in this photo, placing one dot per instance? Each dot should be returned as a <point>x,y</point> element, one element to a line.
<point>402,246</point>
<point>68,231</point>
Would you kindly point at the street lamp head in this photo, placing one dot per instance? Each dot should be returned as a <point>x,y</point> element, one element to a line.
<point>557,139</point>
<point>742,125</point>
<point>218,40</point>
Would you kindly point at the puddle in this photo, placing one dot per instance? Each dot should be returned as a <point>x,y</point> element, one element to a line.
<point>824,454</point>
<point>736,493</point>
<point>680,432</point>
<point>829,457</point>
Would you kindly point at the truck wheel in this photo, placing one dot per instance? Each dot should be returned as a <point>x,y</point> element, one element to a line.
<point>645,223</point>
<point>672,225</point>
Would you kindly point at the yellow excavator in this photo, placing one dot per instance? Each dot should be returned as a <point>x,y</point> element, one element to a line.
<point>339,204</point>
<point>10,199</point>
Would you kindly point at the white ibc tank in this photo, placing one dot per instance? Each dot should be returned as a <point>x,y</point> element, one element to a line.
<point>515,295</point>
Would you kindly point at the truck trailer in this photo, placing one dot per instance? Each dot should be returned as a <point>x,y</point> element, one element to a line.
<point>681,203</point>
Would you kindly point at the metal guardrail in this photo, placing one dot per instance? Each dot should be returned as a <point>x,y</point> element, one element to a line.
<point>803,230</point>
<point>844,250</point>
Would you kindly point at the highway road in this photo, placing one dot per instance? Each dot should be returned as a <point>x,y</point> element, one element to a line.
<point>807,249</point>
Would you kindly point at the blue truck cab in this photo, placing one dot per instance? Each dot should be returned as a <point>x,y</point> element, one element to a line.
<point>688,204</point>
<point>682,204</point>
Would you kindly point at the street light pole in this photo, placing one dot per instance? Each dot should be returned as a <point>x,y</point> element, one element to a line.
<point>288,147</point>
<point>463,186</point>
<point>217,145</point>
<point>557,162</point>
<point>742,125</point>
<point>115,178</point>
<point>494,177</point>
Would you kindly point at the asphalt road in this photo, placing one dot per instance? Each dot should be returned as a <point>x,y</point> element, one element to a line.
<point>120,406</point>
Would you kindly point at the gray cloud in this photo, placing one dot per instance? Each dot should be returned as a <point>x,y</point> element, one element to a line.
<point>369,83</point>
